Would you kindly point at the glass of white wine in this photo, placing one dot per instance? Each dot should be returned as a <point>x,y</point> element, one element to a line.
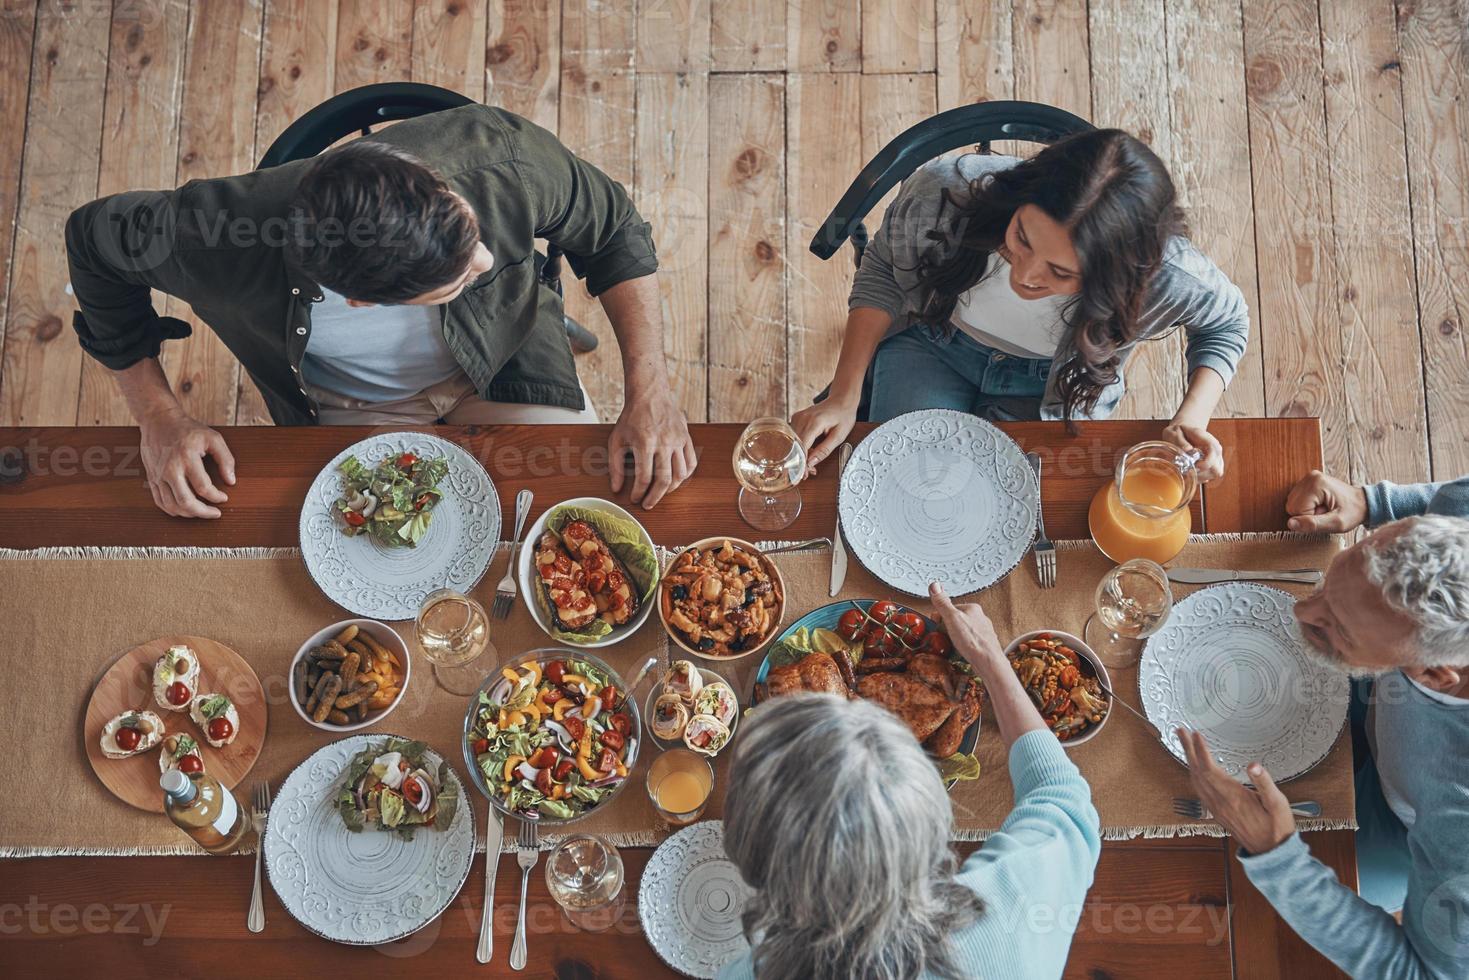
<point>1133,603</point>
<point>453,632</point>
<point>769,461</point>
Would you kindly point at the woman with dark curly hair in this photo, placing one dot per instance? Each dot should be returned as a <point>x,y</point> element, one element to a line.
<point>1018,289</point>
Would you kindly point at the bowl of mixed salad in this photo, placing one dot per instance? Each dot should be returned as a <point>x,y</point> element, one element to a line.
<point>552,736</point>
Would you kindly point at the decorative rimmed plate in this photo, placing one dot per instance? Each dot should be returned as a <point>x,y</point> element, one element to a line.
<point>656,691</point>
<point>938,496</point>
<point>690,902</point>
<point>1231,663</point>
<point>359,889</point>
<point>378,582</point>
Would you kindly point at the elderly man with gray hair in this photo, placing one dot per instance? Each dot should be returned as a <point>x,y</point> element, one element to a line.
<point>1393,611</point>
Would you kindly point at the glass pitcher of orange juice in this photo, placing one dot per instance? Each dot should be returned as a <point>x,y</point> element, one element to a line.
<point>1143,513</point>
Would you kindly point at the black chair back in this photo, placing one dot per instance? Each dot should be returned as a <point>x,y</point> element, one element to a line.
<point>980,123</point>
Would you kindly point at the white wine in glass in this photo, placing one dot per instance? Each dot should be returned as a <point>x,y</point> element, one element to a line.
<point>769,461</point>
<point>453,632</point>
<point>1133,602</point>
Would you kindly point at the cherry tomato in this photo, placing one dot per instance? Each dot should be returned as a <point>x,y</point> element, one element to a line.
<point>609,697</point>
<point>910,627</point>
<point>127,739</point>
<point>563,769</point>
<point>481,746</point>
<point>937,644</point>
<point>613,739</point>
<point>555,670</point>
<point>543,758</point>
<point>879,644</point>
<point>622,725</point>
<point>852,625</point>
<point>407,460</point>
<point>353,518</point>
<point>575,726</point>
<point>220,729</point>
<point>178,693</point>
<point>883,610</point>
<point>543,781</point>
<point>191,764</point>
<point>607,761</point>
<point>552,694</point>
<point>412,791</point>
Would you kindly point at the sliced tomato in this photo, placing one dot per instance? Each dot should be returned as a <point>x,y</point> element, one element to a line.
<point>555,670</point>
<point>423,501</point>
<point>575,726</point>
<point>613,739</point>
<point>563,769</point>
<point>543,781</point>
<point>481,746</point>
<point>622,725</point>
<point>551,695</point>
<point>543,758</point>
<point>353,518</point>
<point>406,461</point>
<point>852,625</point>
<point>609,697</point>
<point>412,791</point>
<point>607,761</point>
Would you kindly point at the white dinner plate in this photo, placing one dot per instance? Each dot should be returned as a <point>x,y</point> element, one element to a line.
<point>938,496</point>
<point>360,889</point>
<point>690,901</point>
<point>1231,663</point>
<point>378,582</point>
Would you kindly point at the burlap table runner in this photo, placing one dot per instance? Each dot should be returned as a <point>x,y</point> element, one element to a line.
<point>68,613</point>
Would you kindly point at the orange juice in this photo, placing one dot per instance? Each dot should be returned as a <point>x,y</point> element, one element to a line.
<point>681,792</point>
<point>679,784</point>
<point>1124,533</point>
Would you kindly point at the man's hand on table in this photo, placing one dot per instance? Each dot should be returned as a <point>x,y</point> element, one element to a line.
<point>1260,818</point>
<point>653,430</point>
<point>173,450</point>
<point>1322,503</point>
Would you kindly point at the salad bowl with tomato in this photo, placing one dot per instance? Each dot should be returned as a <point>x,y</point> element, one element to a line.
<point>552,736</point>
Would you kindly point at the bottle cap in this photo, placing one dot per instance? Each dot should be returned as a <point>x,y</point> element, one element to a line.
<point>177,785</point>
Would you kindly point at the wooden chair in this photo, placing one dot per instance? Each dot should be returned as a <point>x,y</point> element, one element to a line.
<point>357,111</point>
<point>979,125</point>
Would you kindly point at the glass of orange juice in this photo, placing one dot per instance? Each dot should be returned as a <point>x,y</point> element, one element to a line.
<point>1143,512</point>
<point>679,783</point>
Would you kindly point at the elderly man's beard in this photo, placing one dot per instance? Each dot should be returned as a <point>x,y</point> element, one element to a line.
<point>1326,656</point>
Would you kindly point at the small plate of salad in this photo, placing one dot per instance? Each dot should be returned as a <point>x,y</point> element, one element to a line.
<point>552,736</point>
<point>396,516</point>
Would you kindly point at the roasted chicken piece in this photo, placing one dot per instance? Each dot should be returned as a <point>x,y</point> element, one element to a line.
<point>923,708</point>
<point>945,741</point>
<point>938,672</point>
<point>817,672</point>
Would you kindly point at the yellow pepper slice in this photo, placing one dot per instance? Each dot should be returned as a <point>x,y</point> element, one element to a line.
<point>534,669</point>
<point>570,679</point>
<point>589,707</point>
<point>559,709</point>
<point>510,765</point>
<point>510,675</point>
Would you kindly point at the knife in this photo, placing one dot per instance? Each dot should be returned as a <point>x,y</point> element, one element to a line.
<point>1208,576</point>
<point>839,550</point>
<point>494,831</point>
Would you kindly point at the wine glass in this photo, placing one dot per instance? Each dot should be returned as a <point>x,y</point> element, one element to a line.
<point>769,461</point>
<point>584,875</point>
<point>1133,602</point>
<point>453,632</point>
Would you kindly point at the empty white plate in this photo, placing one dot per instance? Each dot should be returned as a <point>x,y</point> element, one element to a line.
<point>690,901</point>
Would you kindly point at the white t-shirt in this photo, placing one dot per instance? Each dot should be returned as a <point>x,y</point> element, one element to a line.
<point>993,314</point>
<point>376,353</point>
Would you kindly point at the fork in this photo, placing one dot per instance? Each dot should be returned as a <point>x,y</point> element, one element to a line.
<point>505,591</point>
<point>529,850</point>
<point>259,808</point>
<point>1194,809</point>
<point>1045,551</point>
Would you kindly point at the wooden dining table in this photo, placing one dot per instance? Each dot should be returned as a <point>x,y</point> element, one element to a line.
<point>1158,908</point>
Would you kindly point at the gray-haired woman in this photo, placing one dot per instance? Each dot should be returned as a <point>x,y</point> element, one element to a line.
<point>839,821</point>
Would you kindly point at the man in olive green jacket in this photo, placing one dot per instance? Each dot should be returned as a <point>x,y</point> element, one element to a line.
<point>391,280</point>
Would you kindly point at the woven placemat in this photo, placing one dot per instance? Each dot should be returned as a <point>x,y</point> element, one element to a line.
<point>70,612</point>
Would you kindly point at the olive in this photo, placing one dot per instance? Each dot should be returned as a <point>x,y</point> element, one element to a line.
<point>749,598</point>
<point>707,643</point>
<point>737,644</point>
<point>680,592</point>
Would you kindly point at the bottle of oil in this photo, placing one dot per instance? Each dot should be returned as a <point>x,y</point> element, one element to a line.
<point>204,810</point>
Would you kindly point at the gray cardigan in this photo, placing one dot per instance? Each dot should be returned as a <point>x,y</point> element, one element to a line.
<point>1189,290</point>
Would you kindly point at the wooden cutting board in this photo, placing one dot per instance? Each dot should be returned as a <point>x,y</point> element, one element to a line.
<point>128,685</point>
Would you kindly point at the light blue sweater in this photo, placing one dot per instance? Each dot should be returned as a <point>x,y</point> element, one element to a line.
<point>1033,873</point>
<point>1421,746</point>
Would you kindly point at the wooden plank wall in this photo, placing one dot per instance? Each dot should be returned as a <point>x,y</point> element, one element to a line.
<point>1320,151</point>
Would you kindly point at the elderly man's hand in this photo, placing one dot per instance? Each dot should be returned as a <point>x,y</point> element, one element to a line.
<point>1260,819</point>
<point>1320,502</point>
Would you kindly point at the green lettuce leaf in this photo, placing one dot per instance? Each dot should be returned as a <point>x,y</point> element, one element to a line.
<point>623,537</point>
<point>959,767</point>
<point>392,807</point>
<point>448,798</point>
<point>347,807</point>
